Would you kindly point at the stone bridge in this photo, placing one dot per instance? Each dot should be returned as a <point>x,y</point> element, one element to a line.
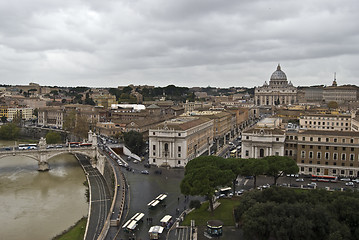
<point>42,154</point>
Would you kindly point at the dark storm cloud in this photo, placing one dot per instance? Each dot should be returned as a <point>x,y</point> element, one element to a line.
<point>160,42</point>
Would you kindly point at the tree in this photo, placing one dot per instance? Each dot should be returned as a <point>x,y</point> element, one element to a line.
<point>70,121</point>
<point>4,119</point>
<point>254,167</point>
<point>53,138</point>
<point>9,131</point>
<point>203,175</point>
<point>332,105</point>
<point>278,166</point>
<point>76,124</point>
<point>134,141</point>
<point>82,127</point>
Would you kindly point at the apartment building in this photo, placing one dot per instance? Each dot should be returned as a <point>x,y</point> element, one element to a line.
<point>177,141</point>
<point>325,122</point>
<point>333,153</point>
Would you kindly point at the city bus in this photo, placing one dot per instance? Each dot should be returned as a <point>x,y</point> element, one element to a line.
<point>317,178</point>
<point>27,146</point>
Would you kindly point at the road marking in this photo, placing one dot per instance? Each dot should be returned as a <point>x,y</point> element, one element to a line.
<point>103,200</point>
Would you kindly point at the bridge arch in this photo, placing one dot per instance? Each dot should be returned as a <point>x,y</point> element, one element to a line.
<point>19,154</point>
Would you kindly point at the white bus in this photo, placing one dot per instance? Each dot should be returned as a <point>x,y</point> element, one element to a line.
<point>27,146</point>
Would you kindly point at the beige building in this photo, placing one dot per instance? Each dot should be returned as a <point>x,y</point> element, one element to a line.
<point>175,142</point>
<point>25,113</point>
<point>340,94</point>
<point>107,128</point>
<point>277,92</point>
<point>326,122</point>
<point>104,100</point>
<point>51,116</point>
<point>332,153</point>
<point>264,139</point>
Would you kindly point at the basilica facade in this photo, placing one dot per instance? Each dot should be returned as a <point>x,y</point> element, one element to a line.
<point>277,92</point>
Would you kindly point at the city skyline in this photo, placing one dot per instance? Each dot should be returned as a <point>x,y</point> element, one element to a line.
<point>203,43</point>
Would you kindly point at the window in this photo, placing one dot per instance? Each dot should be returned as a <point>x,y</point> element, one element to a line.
<point>302,169</point>
<point>350,172</point>
<point>344,148</point>
<point>303,138</point>
<point>302,154</point>
<point>326,155</point>
<point>327,139</point>
<point>277,139</point>
<point>318,170</point>
<point>343,164</point>
<point>311,139</point>
<point>326,163</point>
<point>352,157</point>
<point>352,140</point>
<point>335,148</point>
<point>310,162</point>
<point>318,162</point>
<point>343,140</point>
<point>290,153</point>
<point>179,162</point>
<point>286,152</point>
<point>303,146</point>
<point>335,156</point>
<point>154,160</point>
<point>319,147</point>
<point>326,147</point>
<point>154,133</point>
<point>277,153</point>
<point>179,134</point>
<point>319,139</point>
<point>310,169</point>
<point>342,172</point>
<point>344,156</point>
<point>247,137</point>
<point>334,171</point>
<point>247,153</point>
<point>311,146</point>
<point>310,154</point>
<point>179,155</point>
<point>335,140</point>
<point>179,148</point>
<point>319,155</point>
<point>154,147</point>
<point>352,149</point>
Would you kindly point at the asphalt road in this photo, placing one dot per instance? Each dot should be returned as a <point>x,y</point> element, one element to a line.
<point>100,199</point>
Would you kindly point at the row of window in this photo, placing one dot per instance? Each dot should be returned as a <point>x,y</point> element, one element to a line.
<point>327,163</point>
<point>334,171</point>
<point>319,139</point>
<point>328,147</point>
<point>327,155</point>
<point>326,118</point>
<point>328,123</point>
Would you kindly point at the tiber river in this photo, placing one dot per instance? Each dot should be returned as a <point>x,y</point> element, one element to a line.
<point>40,205</point>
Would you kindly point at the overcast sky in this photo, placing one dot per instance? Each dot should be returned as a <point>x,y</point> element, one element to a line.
<point>218,43</point>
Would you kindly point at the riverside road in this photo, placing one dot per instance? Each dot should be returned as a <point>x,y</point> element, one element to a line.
<point>100,199</point>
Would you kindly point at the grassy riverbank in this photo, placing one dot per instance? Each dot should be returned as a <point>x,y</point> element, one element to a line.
<point>76,232</point>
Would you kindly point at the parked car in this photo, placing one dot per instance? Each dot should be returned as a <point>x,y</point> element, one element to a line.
<point>145,172</point>
<point>349,184</point>
<point>345,179</point>
<point>299,180</point>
